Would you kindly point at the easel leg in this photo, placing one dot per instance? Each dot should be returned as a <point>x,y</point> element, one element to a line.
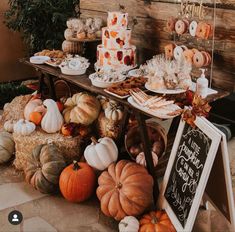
<point>147,153</point>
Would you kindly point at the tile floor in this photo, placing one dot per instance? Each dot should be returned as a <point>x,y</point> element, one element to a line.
<point>45,213</point>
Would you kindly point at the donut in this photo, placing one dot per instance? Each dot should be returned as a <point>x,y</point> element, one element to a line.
<point>198,59</point>
<point>169,51</point>
<point>170,24</point>
<point>207,58</point>
<point>180,27</point>
<point>178,52</point>
<point>203,30</point>
<point>193,28</point>
<point>188,55</point>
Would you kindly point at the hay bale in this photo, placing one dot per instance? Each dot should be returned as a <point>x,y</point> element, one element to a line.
<point>69,147</point>
<point>15,109</point>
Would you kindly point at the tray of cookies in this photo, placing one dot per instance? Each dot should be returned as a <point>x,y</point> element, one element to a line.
<point>122,90</point>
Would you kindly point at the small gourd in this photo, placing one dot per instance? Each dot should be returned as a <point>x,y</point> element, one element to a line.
<point>113,112</point>
<point>100,154</point>
<point>9,126</point>
<point>7,147</point>
<point>129,224</point>
<point>52,120</point>
<point>140,159</point>
<point>24,127</point>
<point>30,107</point>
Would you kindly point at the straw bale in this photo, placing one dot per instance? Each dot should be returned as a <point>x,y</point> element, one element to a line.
<point>69,147</point>
<point>15,109</point>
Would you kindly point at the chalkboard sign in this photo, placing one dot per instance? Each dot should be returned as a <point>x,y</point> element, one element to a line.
<point>187,172</point>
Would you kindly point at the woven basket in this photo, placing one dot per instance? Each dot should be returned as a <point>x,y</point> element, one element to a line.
<point>69,147</point>
<point>133,136</point>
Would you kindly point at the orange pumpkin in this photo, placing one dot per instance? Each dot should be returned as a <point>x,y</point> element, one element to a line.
<point>157,221</point>
<point>77,182</point>
<point>125,189</point>
<point>36,118</point>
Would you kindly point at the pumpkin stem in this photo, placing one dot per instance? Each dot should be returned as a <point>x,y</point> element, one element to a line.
<point>75,165</point>
<point>94,140</point>
<point>118,186</point>
<point>154,218</point>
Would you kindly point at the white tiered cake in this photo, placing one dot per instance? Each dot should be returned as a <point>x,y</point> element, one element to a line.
<point>116,51</point>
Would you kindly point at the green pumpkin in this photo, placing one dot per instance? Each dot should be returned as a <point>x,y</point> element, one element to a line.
<point>7,147</point>
<point>44,167</point>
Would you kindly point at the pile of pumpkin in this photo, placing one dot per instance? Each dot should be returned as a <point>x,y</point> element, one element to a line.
<point>124,187</point>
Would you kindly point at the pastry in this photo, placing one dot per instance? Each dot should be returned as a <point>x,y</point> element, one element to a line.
<point>81,35</point>
<point>91,35</point>
<point>170,24</point>
<point>181,27</point>
<point>199,59</point>
<point>207,58</point>
<point>68,34</point>
<point>171,81</point>
<point>169,51</point>
<point>178,52</point>
<point>203,30</point>
<point>188,55</point>
<point>193,28</point>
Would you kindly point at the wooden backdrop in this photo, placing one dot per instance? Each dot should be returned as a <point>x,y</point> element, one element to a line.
<point>150,37</point>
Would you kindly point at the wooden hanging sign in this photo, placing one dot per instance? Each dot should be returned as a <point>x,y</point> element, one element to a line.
<point>187,173</point>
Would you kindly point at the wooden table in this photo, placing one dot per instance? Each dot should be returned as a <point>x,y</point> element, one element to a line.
<point>84,83</point>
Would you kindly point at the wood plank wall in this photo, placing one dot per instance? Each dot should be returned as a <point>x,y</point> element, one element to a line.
<point>150,37</point>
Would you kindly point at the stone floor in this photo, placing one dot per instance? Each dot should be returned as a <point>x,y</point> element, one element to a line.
<point>45,213</point>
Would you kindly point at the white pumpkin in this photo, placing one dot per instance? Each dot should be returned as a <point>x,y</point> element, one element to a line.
<point>7,147</point>
<point>52,120</point>
<point>129,224</point>
<point>113,112</point>
<point>24,127</point>
<point>100,154</point>
<point>140,159</point>
<point>30,107</point>
<point>9,126</point>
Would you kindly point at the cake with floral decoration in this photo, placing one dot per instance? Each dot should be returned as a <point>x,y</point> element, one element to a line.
<point>116,51</point>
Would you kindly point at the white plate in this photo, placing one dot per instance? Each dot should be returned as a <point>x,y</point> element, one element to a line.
<point>103,84</point>
<point>67,71</point>
<point>39,59</point>
<point>165,91</point>
<point>135,73</point>
<point>160,113</point>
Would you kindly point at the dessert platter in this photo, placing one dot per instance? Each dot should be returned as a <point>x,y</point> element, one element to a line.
<point>122,90</point>
<point>157,106</point>
<point>55,57</point>
<point>167,76</point>
<point>74,65</point>
<point>104,79</point>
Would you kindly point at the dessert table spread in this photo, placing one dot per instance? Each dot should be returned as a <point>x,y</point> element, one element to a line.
<point>84,83</point>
